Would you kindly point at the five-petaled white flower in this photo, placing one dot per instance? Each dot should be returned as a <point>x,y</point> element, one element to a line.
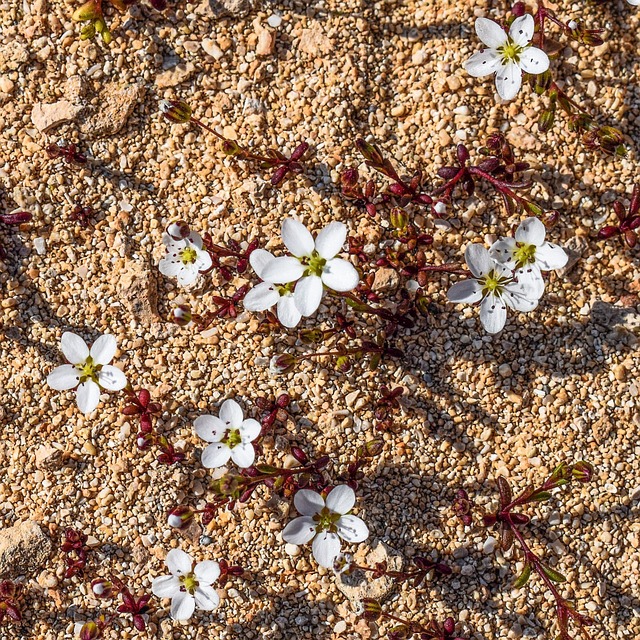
<point>266,294</point>
<point>495,285</point>
<point>325,522</point>
<point>230,436</point>
<point>528,254</point>
<point>508,55</point>
<point>187,586</point>
<point>185,258</point>
<point>312,265</point>
<point>89,369</point>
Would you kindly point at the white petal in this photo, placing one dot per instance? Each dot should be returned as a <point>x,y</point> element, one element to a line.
<point>215,455</point>
<point>178,562</point>
<point>467,291</point>
<point>308,294</point>
<point>482,63</point>
<point>514,298</point>
<point>352,529</point>
<point>330,240</point>
<point>103,349</point>
<point>534,60</point>
<point>88,396</point>
<point>478,260</point>
<point>64,377</point>
<point>530,283</point>
<point>243,455</point>
<point>308,502</point>
<point>170,267</point>
<point>165,586</point>
<point>508,80</point>
<point>283,270</point>
<point>249,430</point>
<point>210,428</point>
<point>231,414</point>
<point>299,530</point>
<point>74,348</point>
<point>297,238</point>
<point>111,378</point>
<point>340,275</point>
<point>490,32</point>
<point>207,571</point>
<point>187,275</point>
<point>522,29</point>
<point>502,250</point>
<point>262,297</point>
<point>550,256</point>
<point>531,231</point>
<point>206,598</point>
<point>326,546</point>
<point>341,499</point>
<point>182,606</point>
<point>203,261</point>
<point>259,259</point>
<point>287,311</point>
<point>493,313</point>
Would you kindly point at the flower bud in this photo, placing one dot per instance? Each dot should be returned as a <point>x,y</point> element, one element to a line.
<point>370,152</point>
<point>349,177</point>
<point>175,110</point>
<point>282,363</point>
<point>102,588</point>
<point>182,315</point>
<point>582,471</point>
<point>144,440</point>
<point>231,148</point>
<point>88,11</point>
<point>439,208</point>
<point>372,609</point>
<point>398,218</point>
<point>90,631</point>
<point>179,517</point>
<point>178,230</point>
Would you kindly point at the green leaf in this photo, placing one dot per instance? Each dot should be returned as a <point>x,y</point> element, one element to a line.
<point>552,574</point>
<point>523,578</point>
<point>266,468</point>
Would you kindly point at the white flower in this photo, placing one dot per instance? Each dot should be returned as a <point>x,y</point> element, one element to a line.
<point>495,285</point>
<point>312,265</point>
<point>528,254</point>
<point>89,370</point>
<point>635,3</point>
<point>508,55</point>
<point>185,258</point>
<point>187,586</point>
<point>266,294</point>
<point>325,522</point>
<point>230,435</point>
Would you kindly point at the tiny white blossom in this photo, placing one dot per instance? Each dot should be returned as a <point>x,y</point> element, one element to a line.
<point>493,284</point>
<point>508,55</point>
<point>230,436</point>
<point>187,586</point>
<point>635,3</point>
<point>528,254</point>
<point>185,258</point>
<point>312,265</point>
<point>266,294</point>
<point>89,370</point>
<point>325,522</point>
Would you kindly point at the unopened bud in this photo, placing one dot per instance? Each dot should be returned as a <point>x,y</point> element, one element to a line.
<point>282,363</point>
<point>144,440</point>
<point>89,631</point>
<point>398,218</point>
<point>179,517</point>
<point>439,208</point>
<point>178,230</point>
<point>182,315</point>
<point>372,609</point>
<point>175,110</point>
<point>102,588</point>
<point>88,11</point>
<point>582,471</point>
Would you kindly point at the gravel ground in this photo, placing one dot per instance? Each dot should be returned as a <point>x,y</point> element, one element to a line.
<point>558,384</point>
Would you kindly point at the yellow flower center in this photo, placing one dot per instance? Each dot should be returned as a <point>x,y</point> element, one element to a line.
<point>326,520</point>
<point>525,253</point>
<point>188,255</point>
<point>315,264</point>
<point>232,439</point>
<point>510,52</point>
<point>492,283</point>
<point>189,583</point>
<point>88,370</point>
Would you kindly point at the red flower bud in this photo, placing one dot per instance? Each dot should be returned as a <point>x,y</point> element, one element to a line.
<point>180,517</point>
